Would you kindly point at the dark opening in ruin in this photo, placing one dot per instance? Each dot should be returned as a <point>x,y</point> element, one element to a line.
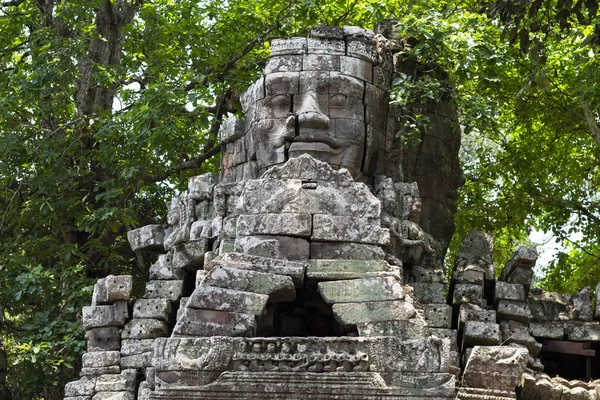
<point>307,315</point>
<point>571,360</point>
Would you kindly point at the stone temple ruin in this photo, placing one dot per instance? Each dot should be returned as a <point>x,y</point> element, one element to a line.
<point>301,271</point>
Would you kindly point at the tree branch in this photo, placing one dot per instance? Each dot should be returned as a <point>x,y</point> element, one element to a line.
<point>209,151</point>
<point>249,46</point>
<point>591,120</point>
<point>12,3</point>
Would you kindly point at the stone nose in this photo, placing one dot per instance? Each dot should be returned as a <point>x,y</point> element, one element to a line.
<point>310,114</point>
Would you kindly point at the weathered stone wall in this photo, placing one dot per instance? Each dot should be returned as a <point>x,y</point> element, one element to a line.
<point>434,165</point>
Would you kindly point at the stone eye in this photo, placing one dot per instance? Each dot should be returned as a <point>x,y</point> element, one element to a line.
<point>278,100</point>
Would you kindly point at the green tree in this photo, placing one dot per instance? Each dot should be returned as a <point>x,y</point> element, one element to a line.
<point>524,76</point>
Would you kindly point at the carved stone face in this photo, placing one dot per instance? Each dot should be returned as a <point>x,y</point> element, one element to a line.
<point>324,118</point>
<point>318,97</point>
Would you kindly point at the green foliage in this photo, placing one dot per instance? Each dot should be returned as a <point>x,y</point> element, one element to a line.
<point>528,155</point>
<point>571,271</point>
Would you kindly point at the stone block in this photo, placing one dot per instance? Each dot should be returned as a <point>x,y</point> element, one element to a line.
<point>354,199</point>
<point>320,62</point>
<point>215,354</point>
<point>481,333</point>
<point>307,168</point>
<point>130,347</point>
<point>279,83</point>
<point>471,275</point>
<point>525,257</point>
<point>359,290</point>
<point>101,359</point>
<point>438,315</point>
<point>114,396</point>
<point>153,308</point>
<point>327,32</point>
<point>221,299</point>
<point>518,332</point>
<point>547,330</point>
<point>163,269</point>
<point>144,390</point>
<point>101,316</point>
<point>582,305</point>
<point>278,287</point>
<point>495,367</point>
<point>430,293</point>
<point>362,49</point>
<point>476,253</point>
<point>285,224</point>
<point>112,288</point>
<point>346,251</point>
<point>405,329</point>
<point>170,290</point>
<point>349,229</point>
<point>350,314</point>
<point>472,312</point>
<point>584,332</point>
<point>214,323</point>
<point>468,293</point>
<point>293,269</point>
<point>333,270</point>
<point>522,275</point>
<point>124,382</point>
<point>201,187</point>
<point>97,371</point>
<point>81,387</point>
<point>103,339</point>
<point>326,46</point>
<point>382,78</point>
<point>137,361</point>
<point>121,309</point>
<point>233,127</point>
<point>357,68</point>
<point>547,306</point>
<point>78,398</point>
<point>290,63</point>
<point>469,393</point>
<point>283,247</point>
<point>149,237</point>
<point>190,255</point>
<point>227,245</point>
<point>426,275</point>
<point>513,310</point>
<point>207,228</point>
<point>509,291</point>
<point>144,329</point>
<point>450,334</point>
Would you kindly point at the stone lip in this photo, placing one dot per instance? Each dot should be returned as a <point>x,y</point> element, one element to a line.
<point>335,385</point>
<point>374,354</point>
<point>307,167</point>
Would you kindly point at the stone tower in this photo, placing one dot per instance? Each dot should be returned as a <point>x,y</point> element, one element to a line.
<point>301,270</point>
